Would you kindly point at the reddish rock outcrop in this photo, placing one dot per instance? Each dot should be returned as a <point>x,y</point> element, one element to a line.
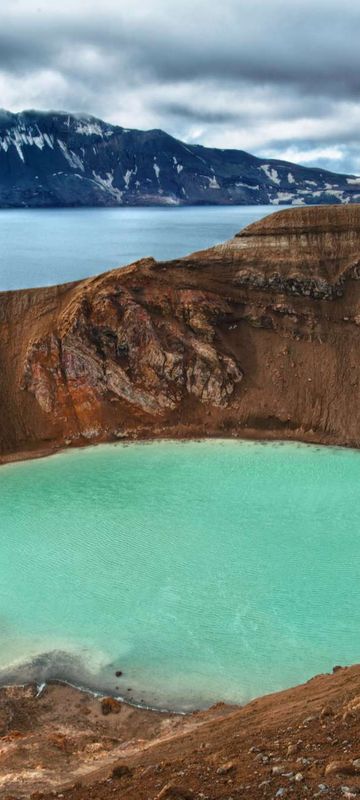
<point>256,337</point>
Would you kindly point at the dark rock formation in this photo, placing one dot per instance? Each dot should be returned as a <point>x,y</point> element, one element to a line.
<point>58,159</point>
<point>259,336</point>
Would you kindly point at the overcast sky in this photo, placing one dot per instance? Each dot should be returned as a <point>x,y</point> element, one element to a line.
<point>274,77</point>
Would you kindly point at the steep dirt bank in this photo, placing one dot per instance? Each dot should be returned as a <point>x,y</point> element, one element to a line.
<point>304,742</point>
<point>258,336</point>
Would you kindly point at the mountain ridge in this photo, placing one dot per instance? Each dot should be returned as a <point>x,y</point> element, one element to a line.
<point>50,159</point>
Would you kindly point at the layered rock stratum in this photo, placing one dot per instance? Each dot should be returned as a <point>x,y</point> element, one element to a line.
<point>59,159</point>
<point>258,336</point>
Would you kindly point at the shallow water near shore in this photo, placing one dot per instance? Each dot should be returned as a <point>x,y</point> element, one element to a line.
<point>204,571</point>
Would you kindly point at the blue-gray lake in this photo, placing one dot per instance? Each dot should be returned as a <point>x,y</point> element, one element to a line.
<point>48,246</point>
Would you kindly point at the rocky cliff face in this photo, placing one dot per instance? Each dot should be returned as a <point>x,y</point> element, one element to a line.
<point>259,336</point>
<point>58,159</point>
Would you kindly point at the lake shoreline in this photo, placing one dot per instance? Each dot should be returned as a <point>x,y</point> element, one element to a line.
<point>63,743</point>
<point>306,437</point>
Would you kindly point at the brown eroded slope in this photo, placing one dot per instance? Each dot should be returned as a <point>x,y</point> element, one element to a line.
<point>259,336</point>
<point>300,743</point>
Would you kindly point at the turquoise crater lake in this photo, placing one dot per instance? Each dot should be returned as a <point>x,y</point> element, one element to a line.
<point>204,571</point>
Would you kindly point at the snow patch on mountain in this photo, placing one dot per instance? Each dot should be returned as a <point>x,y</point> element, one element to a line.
<point>247,185</point>
<point>19,138</point>
<point>156,168</point>
<point>107,184</point>
<point>128,175</point>
<point>71,157</point>
<point>282,197</point>
<point>271,173</point>
<point>92,128</point>
<point>213,183</point>
<point>339,193</point>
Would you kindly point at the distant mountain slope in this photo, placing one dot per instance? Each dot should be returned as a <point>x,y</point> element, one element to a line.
<point>59,159</point>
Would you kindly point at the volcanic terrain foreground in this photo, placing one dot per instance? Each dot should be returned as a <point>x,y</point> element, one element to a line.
<point>259,336</point>
<point>301,743</point>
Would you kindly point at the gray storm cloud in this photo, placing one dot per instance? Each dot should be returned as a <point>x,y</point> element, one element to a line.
<point>270,76</point>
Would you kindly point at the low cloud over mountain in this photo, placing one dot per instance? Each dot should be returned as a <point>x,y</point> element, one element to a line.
<point>278,78</point>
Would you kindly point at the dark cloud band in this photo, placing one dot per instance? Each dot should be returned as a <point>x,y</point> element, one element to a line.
<point>271,72</point>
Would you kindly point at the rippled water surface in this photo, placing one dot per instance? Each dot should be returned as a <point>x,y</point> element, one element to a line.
<point>204,571</point>
<point>40,247</point>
